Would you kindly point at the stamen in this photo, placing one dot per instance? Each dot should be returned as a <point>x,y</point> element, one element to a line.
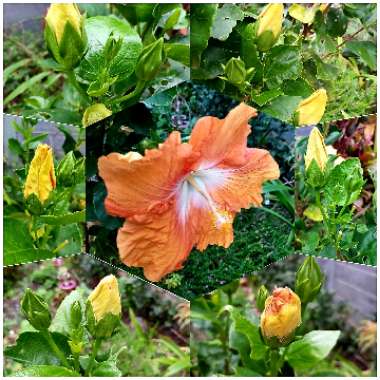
<point>222,219</point>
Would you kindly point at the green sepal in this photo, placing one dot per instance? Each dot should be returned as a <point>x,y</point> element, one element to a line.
<point>52,44</point>
<point>150,60</point>
<point>106,326</point>
<point>90,319</point>
<point>235,72</point>
<point>35,310</point>
<point>75,315</point>
<point>314,175</point>
<point>266,40</point>
<point>33,205</point>
<point>72,46</point>
<point>65,170</point>
<point>261,296</point>
<point>309,280</point>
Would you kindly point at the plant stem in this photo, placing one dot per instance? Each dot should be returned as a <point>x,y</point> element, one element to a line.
<point>324,215</point>
<point>135,93</point>
<point>73,80</point>
<point>61,356</point>
<point>95,348</point>
<point>226,350</point>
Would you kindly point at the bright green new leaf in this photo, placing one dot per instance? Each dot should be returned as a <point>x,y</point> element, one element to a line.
<point>311,349</point>
<point>344,183</point>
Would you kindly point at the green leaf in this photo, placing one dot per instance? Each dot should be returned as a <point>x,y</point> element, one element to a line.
<point>47,371</point>
<point>201,20</point>
<point>344,183</point>
<point>73,217</point>
<point>248,50</point>
<point>32,348</point>
<point>106,369</point>
<point>15,147</point>
<point>283,107</point>
<point>336,22</point>
<point>252,332</point>
<point>366,50</point>
<point>69,237</point>
<point>35,139</point>
<point>311,349</point>
<point>18,244</point>
<point>226,19</point>
<point>281,63</point>
<point>13,67</point>
<point>266,96</point>
<point>25,86</point>
<point>297,87</point>
<point>98,30</point>
<point>61,321</point>
<point>178,52</point>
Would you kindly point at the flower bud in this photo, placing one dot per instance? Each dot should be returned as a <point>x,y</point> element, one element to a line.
<point>36,310</point>
<point>41,176</point>
<point>281,316</point>
<point>105,298</point>
<point>95,113</point>
<point>311,110</point>
<point>269,25</point>
<point>150,60</point>
<point>316,150</point>
<point>235,71</point>
<point>75,314</point>
<point>65,170</point>
<point>309,280</point>
<point>261,296</point>
<point>64,34</point>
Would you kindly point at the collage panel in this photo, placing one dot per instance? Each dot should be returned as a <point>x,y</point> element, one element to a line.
<point>159,209</point>
<point>44,190</point>
<point>301,63</point>
<point>78,316</point>
<point>107,58</point>
<point>336,190</point>
<point>301,316</point>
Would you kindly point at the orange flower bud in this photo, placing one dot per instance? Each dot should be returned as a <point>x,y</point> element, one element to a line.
<point>282,314</point>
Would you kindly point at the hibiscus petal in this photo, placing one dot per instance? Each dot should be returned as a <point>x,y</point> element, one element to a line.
<point>223,141</point>
<point>243,185</point>
<point>213,233</point>
<point>137,185</point>
<point>156,242</point>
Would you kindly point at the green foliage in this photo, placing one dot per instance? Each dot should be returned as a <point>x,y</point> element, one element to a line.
<point>227,338</point>
<point>333,229</point>
<point>104,65</point>
<point>336,50</point>
<point>36,231</point>
<point>66,349</point>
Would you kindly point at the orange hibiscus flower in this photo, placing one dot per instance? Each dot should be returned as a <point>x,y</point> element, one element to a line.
<point>183,195</point>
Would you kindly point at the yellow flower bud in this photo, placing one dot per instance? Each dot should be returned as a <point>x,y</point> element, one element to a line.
<point>95,113</point>
<point>41,176</point>
<point>311,110</point>
<point>282,314</point>
<point>61,13</point>
<point>105,298</point>
<point>316,150</point>
<point>269,25</point>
